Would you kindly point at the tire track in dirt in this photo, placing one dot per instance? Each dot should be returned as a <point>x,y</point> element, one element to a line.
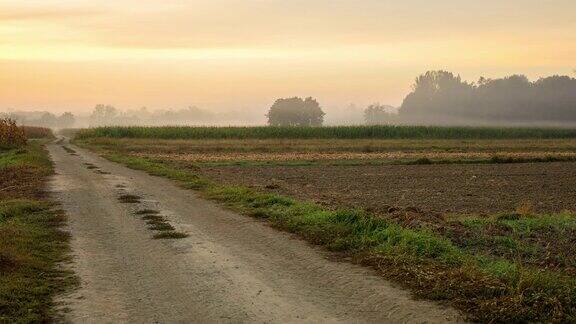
<point>230,268</point>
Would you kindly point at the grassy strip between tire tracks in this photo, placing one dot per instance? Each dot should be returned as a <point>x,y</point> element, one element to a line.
<point>487,289</point>
<point>31,242</point>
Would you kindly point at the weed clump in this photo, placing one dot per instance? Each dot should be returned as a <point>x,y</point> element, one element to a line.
<point>161,227</point>
<point>170,235</point>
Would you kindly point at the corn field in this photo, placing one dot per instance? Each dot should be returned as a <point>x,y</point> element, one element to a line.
<point>336,132</point>
<point>11,135</point>
<point>33,132</point>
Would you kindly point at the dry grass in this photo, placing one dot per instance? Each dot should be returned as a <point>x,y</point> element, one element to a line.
<point>339,156</point>
<point>11,136</point>
<point>33,132</point>
<point>335,145</point>
<point>525,208</point>
<point>360,150</point>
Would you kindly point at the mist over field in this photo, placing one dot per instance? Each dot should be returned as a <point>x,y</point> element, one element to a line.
<point>437,98</point>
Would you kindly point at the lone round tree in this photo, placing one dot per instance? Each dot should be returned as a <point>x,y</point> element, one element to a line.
<point>295,112</point>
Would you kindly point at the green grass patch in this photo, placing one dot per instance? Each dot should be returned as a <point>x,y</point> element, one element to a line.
<point>32,245</point>
<point>32,155</point>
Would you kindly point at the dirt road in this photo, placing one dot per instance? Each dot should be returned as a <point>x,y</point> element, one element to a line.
<point>231,268</point>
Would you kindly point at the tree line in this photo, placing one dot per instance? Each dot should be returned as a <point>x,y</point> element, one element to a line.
<point>441,97</point>
<point>42,119</point>
<point>103,115</point>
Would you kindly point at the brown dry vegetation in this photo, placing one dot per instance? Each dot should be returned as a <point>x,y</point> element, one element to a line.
<point>361,151</point>
<point>11,135</point>
<point>336,145</point>
<point>33,132</point>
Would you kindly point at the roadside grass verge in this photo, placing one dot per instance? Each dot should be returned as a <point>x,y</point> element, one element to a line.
<point>487,287</point>
<point>33,156</point>
<point>32,244</point>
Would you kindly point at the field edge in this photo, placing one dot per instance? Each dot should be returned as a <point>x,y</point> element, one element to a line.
<point>34,248</point>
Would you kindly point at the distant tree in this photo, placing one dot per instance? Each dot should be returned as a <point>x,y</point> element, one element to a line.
<point>295,112</point>
<point>103,115</point>
<point>442,97</point>
<point>66,120</point>
<point>47,120</point>
<point>377,114</point>
<point>435,93</point>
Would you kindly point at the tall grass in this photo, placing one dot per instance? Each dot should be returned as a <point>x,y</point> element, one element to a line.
<point>338,132</point>
<point>11,136</point>
<point>33,132</point>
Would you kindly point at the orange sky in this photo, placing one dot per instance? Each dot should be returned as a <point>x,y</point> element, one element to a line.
<point>242,54</point>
